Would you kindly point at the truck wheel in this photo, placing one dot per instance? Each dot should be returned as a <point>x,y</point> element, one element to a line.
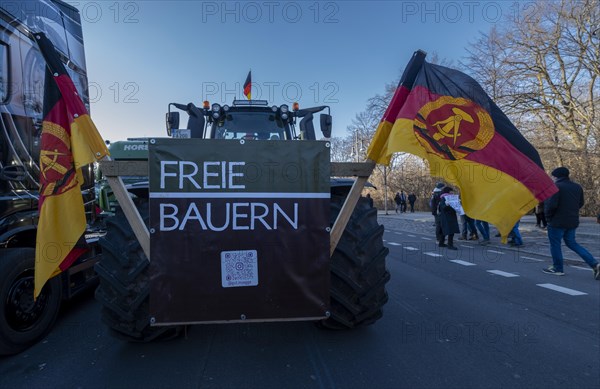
<point>23,321</point>
<point>358,271</point>
<point>124,282</point>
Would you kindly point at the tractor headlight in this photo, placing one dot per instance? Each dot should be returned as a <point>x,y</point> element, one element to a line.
<point>225,108</point>
<point>216,107</point>
<point>216,115</point>
<point>284,112</point>
<point>274,108</point>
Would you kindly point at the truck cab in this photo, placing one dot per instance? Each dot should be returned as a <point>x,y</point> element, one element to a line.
<point>24,321</point>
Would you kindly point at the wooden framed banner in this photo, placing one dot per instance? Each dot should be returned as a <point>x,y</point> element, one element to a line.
<point>239,230</point>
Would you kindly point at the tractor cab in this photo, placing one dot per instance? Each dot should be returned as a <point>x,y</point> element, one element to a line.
<point>247,120</point>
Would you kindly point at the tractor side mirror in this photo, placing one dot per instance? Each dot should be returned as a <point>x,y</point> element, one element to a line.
<point>196,121</point>
<point>326,124</point>
<point>307,129</point>
<point>172,120</point>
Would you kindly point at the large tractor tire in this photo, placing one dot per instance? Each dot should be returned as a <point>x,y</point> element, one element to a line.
<point>124,282</point>
<point>23,321</point>
<point>358,271</point>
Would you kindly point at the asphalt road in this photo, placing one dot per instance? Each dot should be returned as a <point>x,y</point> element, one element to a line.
<point>480,317</point>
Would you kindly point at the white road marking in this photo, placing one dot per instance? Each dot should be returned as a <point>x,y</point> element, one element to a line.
<point>465,246</point>
<point>426,238</point>
<point>433,254</point>
<point>582,268</point>
<point>532,259</point>
<point>412,236</point>
<point>394,244</point>
<point>561,289</point>
<point>411,248</point>
<point>397,233</point>
<point>503,273</point>
<point>464,263</point>
<point>495,252</point>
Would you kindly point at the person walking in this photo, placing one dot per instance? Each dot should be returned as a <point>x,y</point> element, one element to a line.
<point>468,228</point>
<point>540,218</point>
<point>397,201</point>
<point>411,200</point>
<point>517,239</point>
<point>484,228</point>
<point>370,200</point>
<point>448,220</point>
<point>433,204</point>
<point>402,202</point>
<point>562,214</point>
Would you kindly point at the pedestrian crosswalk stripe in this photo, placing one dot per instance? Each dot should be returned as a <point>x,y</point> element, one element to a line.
<point>582,268</point>
<point>412,236</point>
<point>425,238</point>
<point>464,263</point>
<point>562,289</point>
<point>411,248</point>
<point>532,259</point>
<point>433,254</point>
<point>495,252</point>
<point>465,246</point>
<point>397,233</point>
<point>394,244</point>
<point>503,273</point>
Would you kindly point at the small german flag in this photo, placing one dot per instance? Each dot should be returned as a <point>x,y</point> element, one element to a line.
<point>248,86</point>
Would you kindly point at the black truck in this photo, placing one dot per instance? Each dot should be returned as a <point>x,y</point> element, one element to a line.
<point>23,320</point>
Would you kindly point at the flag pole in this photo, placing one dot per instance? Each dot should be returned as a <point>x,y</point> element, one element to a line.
<point>131,213</point>
<point>349,204</point>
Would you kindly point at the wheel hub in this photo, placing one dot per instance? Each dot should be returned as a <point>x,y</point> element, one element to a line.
<point>22,312</point>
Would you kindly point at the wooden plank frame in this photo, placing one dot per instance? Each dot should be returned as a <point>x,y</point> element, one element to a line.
<point>114,169</point>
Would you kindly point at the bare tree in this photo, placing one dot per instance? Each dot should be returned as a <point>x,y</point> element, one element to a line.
<point>542,68</point>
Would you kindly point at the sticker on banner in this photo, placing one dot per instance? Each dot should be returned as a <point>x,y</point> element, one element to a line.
<point>239,268</point>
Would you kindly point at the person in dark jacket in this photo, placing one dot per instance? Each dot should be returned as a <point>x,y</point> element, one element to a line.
<point>411,200</point>
<point>540,217</point>
<point>562,215</point>
<point>448,220</point>
<point>433,203</point>
<point>397,201</point>
<point>370,200</point>
<point>402,202</point>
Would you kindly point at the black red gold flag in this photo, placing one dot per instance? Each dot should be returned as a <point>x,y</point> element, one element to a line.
<point>248,86</point>
<point>69,142</point>
<point>446,117</point>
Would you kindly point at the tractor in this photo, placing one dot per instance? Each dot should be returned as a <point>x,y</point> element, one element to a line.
<point>357,268</point>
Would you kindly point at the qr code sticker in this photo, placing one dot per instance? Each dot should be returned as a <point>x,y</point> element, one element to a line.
<point>239,268</point>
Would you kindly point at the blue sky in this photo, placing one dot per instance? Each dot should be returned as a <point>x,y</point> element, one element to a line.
<point>141,55</point>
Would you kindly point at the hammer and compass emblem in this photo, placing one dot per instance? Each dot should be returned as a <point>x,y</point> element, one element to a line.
<point>49,162</point>
<point>453,127</point>
<point>449,128</point>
